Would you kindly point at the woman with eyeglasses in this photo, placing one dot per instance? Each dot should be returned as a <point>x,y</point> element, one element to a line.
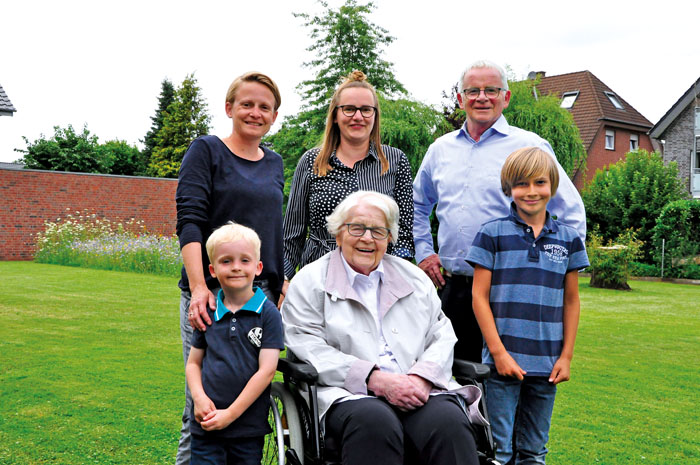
<point>350,158</point>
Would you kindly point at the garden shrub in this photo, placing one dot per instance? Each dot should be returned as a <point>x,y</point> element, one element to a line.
<point>679,225</point>
<point>610,262</point>
<point>631,194</point>
<point>83,239</point>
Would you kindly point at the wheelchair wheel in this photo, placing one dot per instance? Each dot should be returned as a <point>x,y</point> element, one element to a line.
<point>274,441</point>
<point>292,437</point>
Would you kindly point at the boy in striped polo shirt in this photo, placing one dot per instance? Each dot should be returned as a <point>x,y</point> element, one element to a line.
<point>526,300</point>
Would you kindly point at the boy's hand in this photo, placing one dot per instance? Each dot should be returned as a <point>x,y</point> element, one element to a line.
<point>217,419</point>
<point>507,366</point>
<point>561,371</point>
<point>203,406</point>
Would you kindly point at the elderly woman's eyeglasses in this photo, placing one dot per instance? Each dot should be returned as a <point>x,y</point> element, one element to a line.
<point>358,230</point>
<point>350,110</point>
<point>472,93</point>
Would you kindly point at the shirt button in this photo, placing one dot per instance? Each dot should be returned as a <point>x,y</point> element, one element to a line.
<point>233,328</point>
<point>394,330</point>
<point>528,229</point>
<point>233,319</point>
<point>534,245</point>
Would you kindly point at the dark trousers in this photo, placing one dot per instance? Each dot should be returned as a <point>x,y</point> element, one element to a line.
<point>226,451</point>
<point>456,297</point>
<point>371,431</point>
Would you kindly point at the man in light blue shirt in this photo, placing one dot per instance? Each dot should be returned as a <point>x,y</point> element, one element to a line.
<point>461,174</point>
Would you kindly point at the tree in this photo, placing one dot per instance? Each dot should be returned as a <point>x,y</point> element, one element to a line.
<point>125,159</point>
<point>542,115</point>
<point>185,119</point>
<point>411,126</point>
<point>631,194</point>
<point>167,96</point>
<point>345,40</point>
<point>678,225</point>
<point>66,151</point>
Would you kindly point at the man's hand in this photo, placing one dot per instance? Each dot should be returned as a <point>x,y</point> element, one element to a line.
<point>432,267</point>
<point>285,286</point>
<point>198,316</point>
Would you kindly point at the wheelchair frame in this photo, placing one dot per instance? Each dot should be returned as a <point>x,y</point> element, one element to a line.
<point>294,417</point>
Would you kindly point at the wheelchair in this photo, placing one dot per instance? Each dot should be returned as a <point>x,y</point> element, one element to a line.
<point>296,437</point>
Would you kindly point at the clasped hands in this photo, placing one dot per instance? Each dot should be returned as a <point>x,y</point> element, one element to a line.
<point>407,392</point>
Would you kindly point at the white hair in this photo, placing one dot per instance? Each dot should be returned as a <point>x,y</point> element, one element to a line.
<point>336,220</point>
<point>483,64</point>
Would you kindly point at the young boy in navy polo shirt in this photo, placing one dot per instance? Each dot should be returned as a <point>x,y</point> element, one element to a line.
<point>525,298</point>
<point>231,365</point>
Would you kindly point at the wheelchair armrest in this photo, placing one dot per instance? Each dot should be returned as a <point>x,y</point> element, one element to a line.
<point>298,370</point>
<point>466,369</point>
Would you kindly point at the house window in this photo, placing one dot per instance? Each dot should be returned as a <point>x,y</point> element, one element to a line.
<point>568,99</point>
<point>609,139</point>
<point>634,142</point>
<point>614,100</point>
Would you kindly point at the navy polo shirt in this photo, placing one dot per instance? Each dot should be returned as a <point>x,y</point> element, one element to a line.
<point>232,345</point>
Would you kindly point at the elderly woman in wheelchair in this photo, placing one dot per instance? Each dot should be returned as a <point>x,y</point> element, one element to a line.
<point>371,326</point>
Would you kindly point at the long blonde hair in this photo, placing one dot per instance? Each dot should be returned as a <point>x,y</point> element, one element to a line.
<point>331,138</point>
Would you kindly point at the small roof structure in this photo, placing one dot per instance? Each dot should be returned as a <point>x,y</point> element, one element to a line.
<point>690,95</point>
<point>6,107</point>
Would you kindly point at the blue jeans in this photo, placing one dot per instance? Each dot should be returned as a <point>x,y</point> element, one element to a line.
<point>520,413</point>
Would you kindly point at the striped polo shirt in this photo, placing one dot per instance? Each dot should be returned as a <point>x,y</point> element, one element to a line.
<point>527,286</point>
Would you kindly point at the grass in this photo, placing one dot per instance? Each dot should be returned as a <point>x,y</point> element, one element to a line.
<point>91,371</point>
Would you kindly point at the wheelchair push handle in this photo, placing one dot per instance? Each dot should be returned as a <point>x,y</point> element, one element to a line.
<point>466,369</point>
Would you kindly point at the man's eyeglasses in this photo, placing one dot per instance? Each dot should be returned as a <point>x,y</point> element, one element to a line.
<point>358,230</point>
<point>350,110</point>
<point>472,93</point>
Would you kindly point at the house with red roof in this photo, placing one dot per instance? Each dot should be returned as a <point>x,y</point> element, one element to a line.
<point>609,126</point>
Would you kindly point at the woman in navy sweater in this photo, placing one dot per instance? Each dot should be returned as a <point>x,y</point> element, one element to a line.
<point>229,179</point>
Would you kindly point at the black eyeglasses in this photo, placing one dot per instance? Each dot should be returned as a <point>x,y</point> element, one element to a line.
<point>350,110</point>
<point>472,93</point>
<point>358,230</point>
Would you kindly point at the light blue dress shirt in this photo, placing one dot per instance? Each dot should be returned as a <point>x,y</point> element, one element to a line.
<point>463,177</point>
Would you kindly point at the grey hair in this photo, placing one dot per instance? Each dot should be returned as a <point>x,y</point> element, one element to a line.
<point>336,220</point>
<point>484,64</point>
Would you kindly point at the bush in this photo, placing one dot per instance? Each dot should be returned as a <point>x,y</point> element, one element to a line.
<point>610,263</point>
<point>631,194</point>
<point>88,241</point>
<point>679,225</point>
<point>643,269</point>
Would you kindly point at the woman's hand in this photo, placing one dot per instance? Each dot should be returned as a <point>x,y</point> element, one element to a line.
<point>285,286</point>
<point>201,296</point>
<point>400,390</point>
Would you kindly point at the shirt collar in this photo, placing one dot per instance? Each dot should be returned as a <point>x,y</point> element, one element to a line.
<point>374,276</point>
<point>500,126</point>
<point>549,224</point>
<point>254,304</point>
<point>371,153</point>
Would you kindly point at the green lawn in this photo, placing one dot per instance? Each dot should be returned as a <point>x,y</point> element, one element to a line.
<point>91,371</point>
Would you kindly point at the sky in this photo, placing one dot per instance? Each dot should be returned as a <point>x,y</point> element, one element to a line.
<point>101,63</point>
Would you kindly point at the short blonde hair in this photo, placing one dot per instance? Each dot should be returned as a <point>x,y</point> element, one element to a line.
<point>335,222</point>
<point>232,232</point>
<point>527,163</point>
<point>254,76</point>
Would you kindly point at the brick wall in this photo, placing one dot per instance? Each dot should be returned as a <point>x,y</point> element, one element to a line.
<point>28,198</point>
<point>599,157</point>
